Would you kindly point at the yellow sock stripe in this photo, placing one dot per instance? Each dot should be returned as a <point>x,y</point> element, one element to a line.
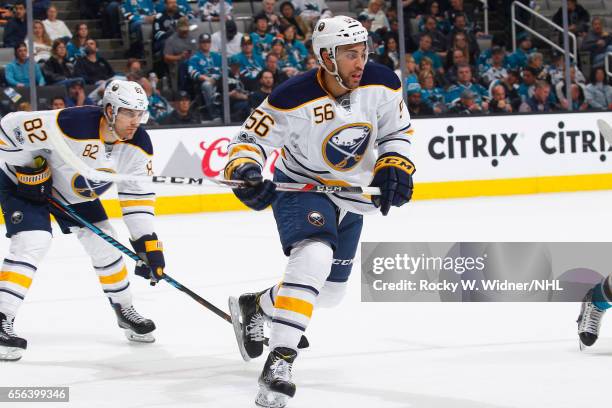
<point>17,278</point>
<point>114,278</point>
<point>294,305</point>
<point>137,203</point>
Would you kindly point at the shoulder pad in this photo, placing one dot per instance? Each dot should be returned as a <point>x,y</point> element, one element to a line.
<point>296,91</point>
<point>142,140</point>
<point>80,123</point>
<point>377,74</point>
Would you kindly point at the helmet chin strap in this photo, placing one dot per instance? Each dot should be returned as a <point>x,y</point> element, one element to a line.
<point>111,126</point>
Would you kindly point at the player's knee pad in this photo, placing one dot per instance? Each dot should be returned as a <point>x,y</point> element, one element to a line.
<point>331,294</point>
<point>309,263</point>
<point>29,246</point>
<point>100,251</point>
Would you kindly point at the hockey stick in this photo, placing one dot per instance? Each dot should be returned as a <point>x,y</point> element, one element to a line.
<point>64,151</point>
<point>67,210</point>
<point>605,129</point>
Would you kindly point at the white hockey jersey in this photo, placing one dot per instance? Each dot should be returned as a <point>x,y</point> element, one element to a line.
<point>324,141</point>
<point>27,134</point>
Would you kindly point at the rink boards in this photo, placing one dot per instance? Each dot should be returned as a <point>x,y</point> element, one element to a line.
<point>454,157</point>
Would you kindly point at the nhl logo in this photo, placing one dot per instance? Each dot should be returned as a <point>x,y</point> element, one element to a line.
<point>115,87</point>
<point>19,135</point>
<point>16,217</point>
<point>316,218</point>
<point>321,27</point>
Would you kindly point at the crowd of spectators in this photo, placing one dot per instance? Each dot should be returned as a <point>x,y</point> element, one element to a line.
<point>446,71</point>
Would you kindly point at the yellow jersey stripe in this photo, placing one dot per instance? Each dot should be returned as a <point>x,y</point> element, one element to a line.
<point>294,305</point>
<point>241,148</point>
<point>17,278</point>
<point>114,278</point>
<point>137,203</point>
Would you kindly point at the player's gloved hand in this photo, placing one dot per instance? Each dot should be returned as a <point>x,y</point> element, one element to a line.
<point>393,175</point>
<point>150,250</point>
<point>34,183</point>
<point>257,193</point>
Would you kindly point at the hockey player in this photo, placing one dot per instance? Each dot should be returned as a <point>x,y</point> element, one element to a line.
<point>343,124</point>
<point>107,139</point>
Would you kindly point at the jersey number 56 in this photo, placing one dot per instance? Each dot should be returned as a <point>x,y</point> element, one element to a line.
<point>259,122</point>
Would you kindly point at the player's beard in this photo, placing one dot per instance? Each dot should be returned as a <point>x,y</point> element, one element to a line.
<point>350,81</point>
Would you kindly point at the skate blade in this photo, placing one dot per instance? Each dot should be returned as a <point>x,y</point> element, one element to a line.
<point>10,353</point>
<point>234,308</point>
<point>270,399</point>
<point>138,338</point>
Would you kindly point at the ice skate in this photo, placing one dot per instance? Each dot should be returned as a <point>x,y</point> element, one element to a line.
<point>275,385</point>
<point>11,346</point>
<point>248,321</point>
<point>136,327</point>
<point>589,321</point>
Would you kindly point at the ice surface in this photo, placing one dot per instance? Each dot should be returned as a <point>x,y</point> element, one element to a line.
<point>362,354</point>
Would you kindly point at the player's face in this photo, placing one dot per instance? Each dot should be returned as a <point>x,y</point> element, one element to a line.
<point>127,122</point>
<point>351,61</point>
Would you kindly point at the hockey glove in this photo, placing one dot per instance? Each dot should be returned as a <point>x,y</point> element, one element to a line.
<point>393,175</point>
<point>257,193</point>
<point>150,250</point>
<point>34,183</point>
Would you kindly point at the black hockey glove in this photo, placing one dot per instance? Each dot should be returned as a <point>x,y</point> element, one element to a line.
<point>150,250</point>
<point>34,183</point>
<point>258,193</point>
<point>393,175</point>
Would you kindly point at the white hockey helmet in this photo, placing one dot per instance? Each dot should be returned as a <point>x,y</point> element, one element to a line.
<point>125,94</point>
<point>333,32</point>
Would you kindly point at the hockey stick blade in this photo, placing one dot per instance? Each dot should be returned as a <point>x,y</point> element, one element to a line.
<point>605,129</point>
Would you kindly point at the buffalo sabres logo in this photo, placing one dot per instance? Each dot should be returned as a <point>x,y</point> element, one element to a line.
<point>344,148</point>
<point>316,218</point>
<point>90,189</point>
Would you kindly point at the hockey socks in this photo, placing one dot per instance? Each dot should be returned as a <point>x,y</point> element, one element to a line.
<point>602,294</point>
